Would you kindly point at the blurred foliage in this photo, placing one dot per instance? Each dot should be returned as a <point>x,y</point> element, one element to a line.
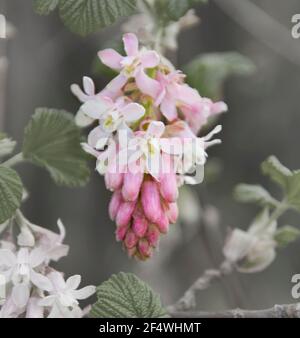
<point>208,72</point>
<point>251,193</point>
<point>285,235</point>
<point>173,10</point>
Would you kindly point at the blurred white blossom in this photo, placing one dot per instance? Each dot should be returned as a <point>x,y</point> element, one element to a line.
<point>252,250</point>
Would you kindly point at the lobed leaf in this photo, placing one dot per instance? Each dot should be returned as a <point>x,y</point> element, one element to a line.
<point>11,189</point>
<point>87,16</point>
<point>44,7</point>
<point>126,296</point>
<point>52,141</point>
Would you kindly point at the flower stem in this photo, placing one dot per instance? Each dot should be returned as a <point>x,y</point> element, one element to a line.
<point>14,160</point>
<point>278,211</point>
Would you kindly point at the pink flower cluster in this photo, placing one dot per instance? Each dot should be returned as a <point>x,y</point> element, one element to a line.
<point>148,102</point>
<point>142,208</point>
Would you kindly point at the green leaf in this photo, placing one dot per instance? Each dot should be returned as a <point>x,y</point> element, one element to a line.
<point>44,7</point>
<point>11,189</point>
<point>285,235</point>
<point>276,171</point>
<point>7,145</point>
<point>87,16</point>
<point>52,140</point>
<point>293,190</point>
<point>125,296</point>
<point>173,10</point>
<point>208,72</point>
<point>248,193</point>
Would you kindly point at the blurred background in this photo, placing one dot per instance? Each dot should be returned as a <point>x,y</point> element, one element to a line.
<point>44,58</point>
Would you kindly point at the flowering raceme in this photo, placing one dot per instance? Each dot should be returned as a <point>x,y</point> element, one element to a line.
<point>145,140</point>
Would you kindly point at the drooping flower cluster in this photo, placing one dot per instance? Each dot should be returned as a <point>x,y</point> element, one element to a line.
<point>145,140</point>
<point>29,287</point>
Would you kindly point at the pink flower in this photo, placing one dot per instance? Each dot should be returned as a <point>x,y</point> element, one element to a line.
<point>131,65</point>
<point>174,94</point>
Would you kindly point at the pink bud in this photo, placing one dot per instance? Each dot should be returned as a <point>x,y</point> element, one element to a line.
<point>172,212</point>
<point>144,248</point>
<point>124,213</point>
<point>153,235</point>
<point>132,185</point>
<point>114,204</point>
<point>140,226</point>
<point>151,201</point>
<point>163,223</point>
<point>113,181</point>
<point>130,239</point>
<point>121,232</point>
<point>132,251</point>
<point>168,187</point>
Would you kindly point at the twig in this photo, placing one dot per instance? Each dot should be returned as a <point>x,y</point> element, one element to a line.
<point>278,311</point>
<point>188,300</point>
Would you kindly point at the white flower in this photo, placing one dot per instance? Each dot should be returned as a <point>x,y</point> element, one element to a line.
<point>64,296</point>
<point>9,309</point>
<point>49,242</point>
<point>143,151</point>
<point>20,269</point>
<point>112,116</point>
<point>252,250</point>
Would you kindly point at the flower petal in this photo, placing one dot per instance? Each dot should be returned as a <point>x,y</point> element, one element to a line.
<point>42,282</point>
<point>73,282</point>
<point>82,120</point>
<point>168,108</point>
<point>57,280</point>
<point>88,85</point>
<point>238,245</point>
<point>47,301</point>
<point>131,44</point>
<point>96,135</point>
<point>84,293</point>
<point>133,112</point>
<point>95,108</point>
<point>76,90</point>
<point>155,129</point>
<point>58,252</point>
<point>114,87</point>
<point>90,150</point>
<point>36,257</point>
<point>34,310</point>
<point>20,294</point>
<point>110,58</point>
<point>7,258</point>
<point>147,85</point>
<point>149,59</point>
